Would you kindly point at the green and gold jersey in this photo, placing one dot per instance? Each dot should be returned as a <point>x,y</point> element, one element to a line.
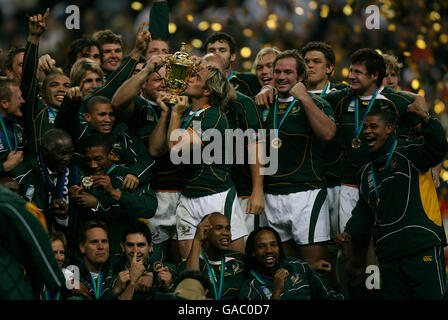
<point>207,172</point>
<point>243,114</point>
<point>344,103</point>
<point>38,116</point>
<point>300,153</point>
<point>333,152</point>
<point>167,176</point>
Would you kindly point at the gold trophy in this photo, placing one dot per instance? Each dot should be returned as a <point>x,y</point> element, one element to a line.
<point>178,71</point>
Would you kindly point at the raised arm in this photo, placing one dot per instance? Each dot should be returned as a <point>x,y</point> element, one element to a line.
<point>123,99</point>
<point>323,127</point>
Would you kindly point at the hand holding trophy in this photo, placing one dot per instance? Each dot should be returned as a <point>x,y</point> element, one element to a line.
<point>179,68</point>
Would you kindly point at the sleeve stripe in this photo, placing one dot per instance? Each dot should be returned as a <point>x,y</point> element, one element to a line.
<point>36,243</point>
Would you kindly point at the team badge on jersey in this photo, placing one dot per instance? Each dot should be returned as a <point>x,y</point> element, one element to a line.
<point>351,106</point>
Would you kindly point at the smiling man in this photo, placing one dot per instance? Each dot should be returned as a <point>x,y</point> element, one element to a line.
<point>100,117</point>
<point>352,105</point>
<point>270,275</point>
<point>399,202</point>
<point>111,48</point>
<point>101,193</point>
<point>210,252</point>
<point>295,196</point>
<point>41,105</point>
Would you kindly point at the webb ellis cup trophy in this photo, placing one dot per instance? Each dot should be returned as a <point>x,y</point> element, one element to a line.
<point>178,71</point>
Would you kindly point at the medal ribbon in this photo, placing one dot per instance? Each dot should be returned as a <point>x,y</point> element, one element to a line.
<point>187,122</point>
<point>264,288</point>
<point>5,135</point>
<point>389,157</point>
<point>358,127</point>
<point>325,89</point>
<point>149,107</point>
<point>212,275</point>
<point>97,285</point>
<point>112,167</point>
<point>230,75</point>
<point>284,116</point>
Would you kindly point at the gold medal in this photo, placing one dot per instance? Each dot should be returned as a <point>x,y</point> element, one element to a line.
<point>276,143</point>
<point>157,266</point>
<point>87,182</point>
<point>356,143</point>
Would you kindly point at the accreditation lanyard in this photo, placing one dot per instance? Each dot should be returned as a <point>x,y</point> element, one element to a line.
<point>284,116</point>
<point>97,285</point>
<point>150,108</point>
<point>186,123</point>
<point>5,136</point>
<point>212,276</point>
<point>264,288</point>
<point>322,93</point>
<point>49,181</point>
<point>389,157</point>
<point>358,127</point>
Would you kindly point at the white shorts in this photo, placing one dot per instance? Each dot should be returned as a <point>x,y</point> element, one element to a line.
<point>333,195</point>
<point>253,221</point>
<point>348,198</point>
<point>190,212</point>
<point>301,216</point>
<point>163,224</point>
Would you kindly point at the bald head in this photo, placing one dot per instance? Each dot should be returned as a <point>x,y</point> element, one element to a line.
<point>211,59</point>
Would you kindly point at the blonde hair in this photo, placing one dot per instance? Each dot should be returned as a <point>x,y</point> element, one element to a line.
<point>80,68</point>
<point>217,83</point>
<point>264,52</point>
<point>392,63</point>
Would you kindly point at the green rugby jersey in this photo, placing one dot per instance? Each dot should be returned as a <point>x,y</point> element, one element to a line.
<point>399,200</point>
<point>141,203</point>
<point>128,150</point>
<point>233,274</point>
<point>25,250</point>
<point>245,82</point>
<point>207,178</point>
<point>343,102</point>
<point>243,114</point>
<point>38,116</point>
<point>333,152</point>
<point>301,154</point>
<point>167,176</point>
